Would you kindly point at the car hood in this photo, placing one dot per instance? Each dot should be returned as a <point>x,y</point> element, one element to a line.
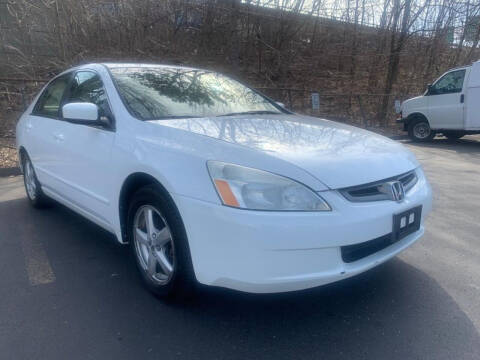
<point>412,101</point>
<point>336,154</point>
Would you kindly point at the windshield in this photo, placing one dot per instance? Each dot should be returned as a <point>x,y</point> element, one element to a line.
<point>161,92</point>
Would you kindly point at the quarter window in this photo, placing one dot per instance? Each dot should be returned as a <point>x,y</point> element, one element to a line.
<point>450,83</point>
<point>49,102</point>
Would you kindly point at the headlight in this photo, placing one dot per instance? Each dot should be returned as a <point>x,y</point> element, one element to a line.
<point>248,188</point>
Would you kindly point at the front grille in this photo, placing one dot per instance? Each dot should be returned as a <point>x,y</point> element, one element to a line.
<point>408,180</point>
<point>372,191</point>
<point>351,253</point>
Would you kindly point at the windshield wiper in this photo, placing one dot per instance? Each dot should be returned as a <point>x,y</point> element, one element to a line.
<point>167,117</point>
<point>254,112</point>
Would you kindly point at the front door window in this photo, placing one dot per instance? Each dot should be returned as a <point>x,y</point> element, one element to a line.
<point>88,87</point>
<point>449,83</point>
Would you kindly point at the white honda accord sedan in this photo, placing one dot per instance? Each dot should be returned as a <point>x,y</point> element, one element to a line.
<point>209,181</point>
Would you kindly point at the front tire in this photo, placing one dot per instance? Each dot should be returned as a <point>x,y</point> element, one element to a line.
<point>159,244</point>
<point>33,188</point>
<point>419,130</point>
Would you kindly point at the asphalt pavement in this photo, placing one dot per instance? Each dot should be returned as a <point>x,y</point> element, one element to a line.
<point>68,291</point>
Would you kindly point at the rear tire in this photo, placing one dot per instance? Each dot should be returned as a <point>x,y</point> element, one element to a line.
<point>419,130</point>
<point>159,244</point>
<point>33,188</point>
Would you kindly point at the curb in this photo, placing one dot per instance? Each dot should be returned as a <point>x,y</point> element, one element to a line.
<point>5,172</point>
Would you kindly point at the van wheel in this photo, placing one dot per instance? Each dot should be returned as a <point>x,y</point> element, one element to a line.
<point>159,244</point>
<point>453,135</point>
<point>419,130</point>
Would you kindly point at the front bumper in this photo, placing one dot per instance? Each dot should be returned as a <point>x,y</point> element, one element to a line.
<point>401,121</point>
<point>263,252</point>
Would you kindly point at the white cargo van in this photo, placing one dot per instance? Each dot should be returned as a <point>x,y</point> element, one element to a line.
<point>450,106</point>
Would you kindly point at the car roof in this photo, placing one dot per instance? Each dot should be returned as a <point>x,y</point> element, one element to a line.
<point>459,67</point>
<point>145,65</point>
<point>112,65</point>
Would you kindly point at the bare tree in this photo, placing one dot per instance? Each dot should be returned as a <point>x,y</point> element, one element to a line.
<point>358,54</point>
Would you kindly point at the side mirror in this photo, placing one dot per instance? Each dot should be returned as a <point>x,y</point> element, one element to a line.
<point>429,89</point>
<point>280,104</point>
<point>81,113</point>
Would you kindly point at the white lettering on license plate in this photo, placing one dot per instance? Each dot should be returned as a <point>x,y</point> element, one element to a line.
<point>411,218</point>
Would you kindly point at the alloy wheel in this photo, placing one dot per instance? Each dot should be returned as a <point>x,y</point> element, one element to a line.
<point>154,244</point>
<point>30,182</point>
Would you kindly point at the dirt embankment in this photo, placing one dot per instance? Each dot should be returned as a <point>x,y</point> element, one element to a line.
<point>8,154</point>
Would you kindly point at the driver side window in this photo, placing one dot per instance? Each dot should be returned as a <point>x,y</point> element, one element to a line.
<point>450,83</point>
<point>88,87</point>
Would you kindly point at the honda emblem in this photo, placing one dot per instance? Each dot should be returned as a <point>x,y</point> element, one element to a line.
<point>394,190</point>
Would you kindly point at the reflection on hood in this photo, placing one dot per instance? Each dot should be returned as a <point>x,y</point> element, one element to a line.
<point>338,155</point>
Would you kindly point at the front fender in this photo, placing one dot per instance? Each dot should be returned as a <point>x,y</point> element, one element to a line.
<point>416,105</point>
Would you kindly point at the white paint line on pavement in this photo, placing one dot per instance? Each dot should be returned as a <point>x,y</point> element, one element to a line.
<point>38,267</point>
<point>11,188</point>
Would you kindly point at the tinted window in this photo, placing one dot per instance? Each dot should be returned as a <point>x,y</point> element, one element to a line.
<point>449,83</point>
<point>88,87</point>
<point>49,102</point>
<point>159,92</point>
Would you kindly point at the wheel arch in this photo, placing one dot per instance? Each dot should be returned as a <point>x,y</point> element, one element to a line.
<point>22,152</point>
<point>130,185</point>
<point>416,115</point>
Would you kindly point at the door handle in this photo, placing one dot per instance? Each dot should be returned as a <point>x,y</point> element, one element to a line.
<point>29,126</point>
<point>462,98</point>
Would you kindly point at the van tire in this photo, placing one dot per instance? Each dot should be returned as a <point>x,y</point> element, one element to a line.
<point>419,130</point>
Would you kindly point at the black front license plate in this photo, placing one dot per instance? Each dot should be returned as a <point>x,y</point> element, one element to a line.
<point>406,223</point>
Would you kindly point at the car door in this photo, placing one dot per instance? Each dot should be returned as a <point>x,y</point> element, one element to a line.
<point>446,101</point>
<point>85,150</point>
<point>41,127</point>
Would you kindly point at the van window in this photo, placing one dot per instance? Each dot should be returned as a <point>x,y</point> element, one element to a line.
<point>449,83</point>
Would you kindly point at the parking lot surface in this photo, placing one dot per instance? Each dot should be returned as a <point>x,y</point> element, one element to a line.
<point>68,291</point>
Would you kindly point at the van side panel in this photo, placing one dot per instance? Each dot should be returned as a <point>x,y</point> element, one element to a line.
<point>472,99</point>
